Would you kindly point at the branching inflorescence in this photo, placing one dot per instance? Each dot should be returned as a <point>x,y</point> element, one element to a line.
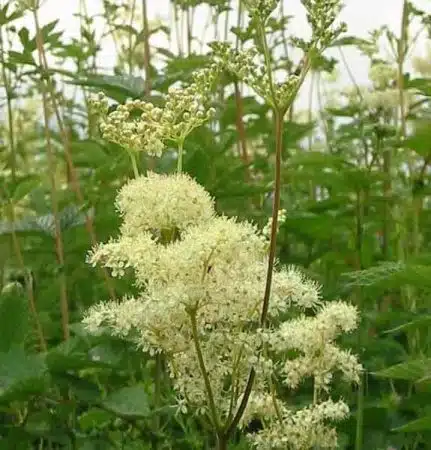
<point>201,279</point>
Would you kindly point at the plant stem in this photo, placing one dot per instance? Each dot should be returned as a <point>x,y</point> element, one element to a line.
<point>359,438</point>
<point>147,54</point>
<point>177,29</point>
<point>189,31</point>
<point>267,56</point>
<point>130,39</point>
<point>134,164</point>
<point>49,89</point>
<point>64,303</point>
<point>180,156</point>
<point>208,388</point>
<point>157,397</point>
<point>279,121</point>
<point>279,117</point>
<point>222,443</point>
<point>8,89</point>
<point>240,124</point>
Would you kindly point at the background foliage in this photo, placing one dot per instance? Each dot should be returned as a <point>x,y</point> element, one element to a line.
<point>356,188</point>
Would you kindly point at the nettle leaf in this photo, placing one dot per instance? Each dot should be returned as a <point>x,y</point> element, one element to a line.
<point>411,370</point>
<point>5,18</point>
<point>21,375</point>
<point>119,88</point>
<point>70,217</point>
<point>391,274</point>
<point>88,153</point>
<point>130,401</point>
<point>423,321</point>
<point>349,40</point>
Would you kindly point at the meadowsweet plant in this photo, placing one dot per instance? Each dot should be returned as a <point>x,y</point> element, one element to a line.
<point>140,126</point>
<point>231,324</point>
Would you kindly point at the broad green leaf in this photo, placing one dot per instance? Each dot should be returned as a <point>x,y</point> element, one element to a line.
<point>130,401</point>
<point>82,389</point>
<point>24,187</point>
<point>21,375</point>
<point>88,153</point>
<point>94,418</point>
<point>423,85</point>
<point>115,87</point>
<point>72,355</point>
<point>420,139</point>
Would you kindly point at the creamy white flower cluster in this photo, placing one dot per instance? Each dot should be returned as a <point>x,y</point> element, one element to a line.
<point>202,279</point>
<point>141,126</point>
<point>383,99</point>
<point>422,64</point>
<point>304,428</point>
<point>281,219</point>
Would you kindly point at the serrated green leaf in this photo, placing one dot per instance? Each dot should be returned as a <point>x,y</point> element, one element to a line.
<point>349,40</point>
<point>115,87</point>
<point>410,370</point>
<point>424,321</point>
<point>88,153</point>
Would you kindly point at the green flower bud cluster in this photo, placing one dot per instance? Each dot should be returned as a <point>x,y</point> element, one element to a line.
<point>243,64</point>
<point>260,8</point>
<point>321,15</point>
<point>31,5</point>
<point>140,126</point>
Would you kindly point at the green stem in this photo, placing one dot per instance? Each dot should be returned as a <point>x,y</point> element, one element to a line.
<point>267,56</point>
<point>147,54</point>
<point>58,238</point>
<point>279,117</point>
<point>134,164</point>
<point>8,89</point>
<point>208,388</point>
<point>180,156</point>
<point>222,443</point>
<point>359,439</point>
<point>157,398</point>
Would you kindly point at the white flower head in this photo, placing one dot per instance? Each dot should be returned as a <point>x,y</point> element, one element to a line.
<point>163,203</point>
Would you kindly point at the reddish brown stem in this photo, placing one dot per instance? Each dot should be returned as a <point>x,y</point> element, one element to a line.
<point>147,55</point>
<point>64,304</point>
<point>73,178</point>
<point>279,117</point>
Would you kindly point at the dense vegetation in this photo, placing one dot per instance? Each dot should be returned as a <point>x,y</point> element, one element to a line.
<point>355,187</point>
